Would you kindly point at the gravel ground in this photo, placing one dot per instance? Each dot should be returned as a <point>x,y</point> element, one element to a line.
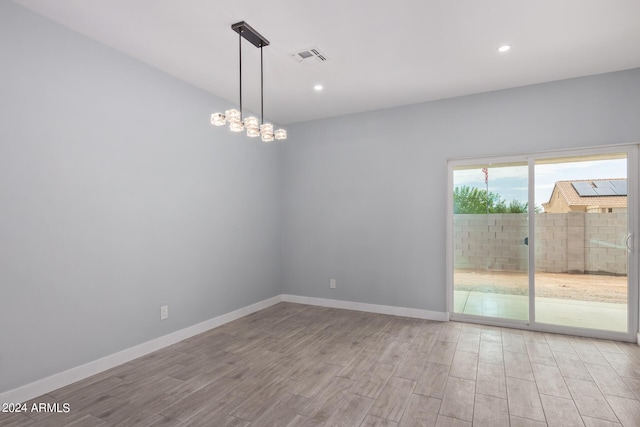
<point>582,287</point>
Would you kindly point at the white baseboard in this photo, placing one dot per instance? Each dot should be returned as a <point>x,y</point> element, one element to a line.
<point>56,381</point>
<point>371,308</point>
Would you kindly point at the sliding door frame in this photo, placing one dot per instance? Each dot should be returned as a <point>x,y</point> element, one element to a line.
<point>632,257</point>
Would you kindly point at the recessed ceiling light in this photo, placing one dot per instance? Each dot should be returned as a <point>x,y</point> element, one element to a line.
<point>504,48</point>
<point>318,88</point>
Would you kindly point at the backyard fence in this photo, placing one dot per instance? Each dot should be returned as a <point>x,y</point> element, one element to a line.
<point>573,242</point>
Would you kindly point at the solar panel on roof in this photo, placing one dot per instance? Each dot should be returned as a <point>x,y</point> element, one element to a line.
<point>602,184</point>
<point>600,188</point>
<point>620,187</point>
<point>584,189</point>
<point>604,191</point>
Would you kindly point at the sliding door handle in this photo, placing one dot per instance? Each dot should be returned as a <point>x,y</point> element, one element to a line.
<point>627,240</point>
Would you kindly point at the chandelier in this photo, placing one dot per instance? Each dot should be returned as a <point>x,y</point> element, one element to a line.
<point>234,117</point>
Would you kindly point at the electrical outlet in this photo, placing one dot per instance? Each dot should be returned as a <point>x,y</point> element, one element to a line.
<point>164,312</point>
<point>332,283</point>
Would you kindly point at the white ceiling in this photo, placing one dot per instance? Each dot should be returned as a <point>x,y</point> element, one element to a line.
<point>381,53</point>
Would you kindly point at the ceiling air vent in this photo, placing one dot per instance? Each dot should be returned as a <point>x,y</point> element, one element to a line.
<point>309,56</point>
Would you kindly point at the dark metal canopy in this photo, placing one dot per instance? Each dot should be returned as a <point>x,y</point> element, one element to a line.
<point>251,35</point>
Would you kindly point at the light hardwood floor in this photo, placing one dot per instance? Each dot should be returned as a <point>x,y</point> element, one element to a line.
<point>297,365</point>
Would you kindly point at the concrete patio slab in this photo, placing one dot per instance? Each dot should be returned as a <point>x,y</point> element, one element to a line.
<point>556,311</point>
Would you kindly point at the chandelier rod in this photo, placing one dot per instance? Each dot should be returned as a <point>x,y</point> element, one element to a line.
<point>261,89</point>
<point>240,56</point>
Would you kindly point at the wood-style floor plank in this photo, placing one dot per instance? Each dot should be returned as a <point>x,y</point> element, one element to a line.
<point>350,411</point>
<point>549,381</point>
<point>490,411</point>
<point>372,383</point>
<point>393,399</point>
<point>608,381</point>
<point>571,366</point>
<point>468,342</point>
<point>491,381</point>
<point>411,366</point>
<point>421,411</point>
<point>518,365</point>
<point>464,365</point>
<point>491,353</point>
<point>627,410</point>
<point>560,412</point>
<point>589,400</point>
<point>433,380</point>
<point>524,400</point>
<point>458,398</point>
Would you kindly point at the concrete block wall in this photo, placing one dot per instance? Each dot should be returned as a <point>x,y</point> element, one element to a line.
<point>551,243</point>
<point>604,243</point>
<point>491,242</point>
<point>573,242</point>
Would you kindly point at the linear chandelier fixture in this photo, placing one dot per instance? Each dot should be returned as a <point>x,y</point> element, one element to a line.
<point>233,116</point>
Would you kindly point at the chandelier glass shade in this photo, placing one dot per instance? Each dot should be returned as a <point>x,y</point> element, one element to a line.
<point>234,117</point>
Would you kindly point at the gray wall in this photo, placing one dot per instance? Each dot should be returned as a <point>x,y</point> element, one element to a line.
<point>116,197</point>
<point>365,194</point>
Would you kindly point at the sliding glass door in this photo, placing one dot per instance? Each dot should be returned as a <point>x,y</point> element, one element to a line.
<point>546,242</point>
<point>582,241</point>
<point>490,229</point>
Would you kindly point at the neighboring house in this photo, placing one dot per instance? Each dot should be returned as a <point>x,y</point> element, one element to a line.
<point>587,195</point>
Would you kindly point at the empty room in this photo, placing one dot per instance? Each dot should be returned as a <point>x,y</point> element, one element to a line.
<point>345,213</point>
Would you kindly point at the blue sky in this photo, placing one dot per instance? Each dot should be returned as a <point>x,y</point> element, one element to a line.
<point>510,182</point>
